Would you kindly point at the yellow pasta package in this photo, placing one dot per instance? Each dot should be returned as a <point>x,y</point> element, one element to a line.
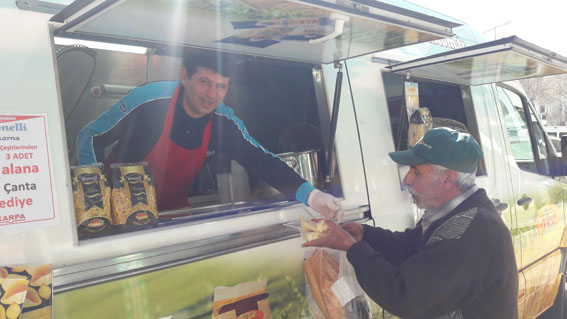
<point>133,196</point>
<point>91,196</point>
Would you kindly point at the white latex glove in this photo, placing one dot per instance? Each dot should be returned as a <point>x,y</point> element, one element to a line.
<point>325,204</point>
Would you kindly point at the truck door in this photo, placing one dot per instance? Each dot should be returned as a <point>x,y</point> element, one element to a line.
<point>539,199</point>
<point>537,191</point>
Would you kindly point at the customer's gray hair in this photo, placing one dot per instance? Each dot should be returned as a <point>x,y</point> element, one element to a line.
<point>464,180</point>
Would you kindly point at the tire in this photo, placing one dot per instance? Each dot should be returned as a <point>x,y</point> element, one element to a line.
<point>559,308</point>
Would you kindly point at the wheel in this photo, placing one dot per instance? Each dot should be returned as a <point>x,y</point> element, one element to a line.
<point>558,310</point>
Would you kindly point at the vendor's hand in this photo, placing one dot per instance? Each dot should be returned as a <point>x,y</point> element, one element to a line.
<point>325,204</point>
<point>335,238</point>
<point>354,229</point>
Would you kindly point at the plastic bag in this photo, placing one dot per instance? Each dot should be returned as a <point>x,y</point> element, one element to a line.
<point>347,289</point>
<point>332,289</point>
<point>321,272</point>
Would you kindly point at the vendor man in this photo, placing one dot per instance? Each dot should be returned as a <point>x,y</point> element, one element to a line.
<point>458,262</point>
<point>175,126</point>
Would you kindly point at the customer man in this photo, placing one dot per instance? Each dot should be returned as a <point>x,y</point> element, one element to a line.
<point>175,126</point>
<point>458,262</point>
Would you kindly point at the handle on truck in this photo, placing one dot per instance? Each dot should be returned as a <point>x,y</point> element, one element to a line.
<point>500,206</point>
<point>334,117</point>
<point>524,201</point>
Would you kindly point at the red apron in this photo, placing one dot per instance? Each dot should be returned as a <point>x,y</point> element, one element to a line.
<point>175,168</point>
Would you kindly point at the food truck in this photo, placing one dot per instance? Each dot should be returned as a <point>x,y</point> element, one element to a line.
<point>323,85</point>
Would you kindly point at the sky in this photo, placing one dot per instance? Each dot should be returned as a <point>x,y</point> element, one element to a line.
<point>540,22</point>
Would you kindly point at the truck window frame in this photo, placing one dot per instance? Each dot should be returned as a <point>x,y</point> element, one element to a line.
<point>542,165</point>
<point>203,209</point>
<point>468,111</point>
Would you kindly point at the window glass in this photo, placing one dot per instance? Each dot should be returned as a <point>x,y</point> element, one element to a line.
<point>555,145</point>
<point>517,129</point>
<point>444,101</point>
<point>519,136</point>
<point>209,144</point>
<point>541,146</point>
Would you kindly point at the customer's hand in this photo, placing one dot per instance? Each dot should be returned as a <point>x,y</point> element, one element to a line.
<point>334,238</point>
<point>354,229</point>
<point>325,204</point>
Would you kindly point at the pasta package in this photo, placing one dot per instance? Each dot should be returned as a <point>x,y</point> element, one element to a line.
<point>420,122</point>
<point>133,196</point>
<point>91,196</point>
<point>248,300</point>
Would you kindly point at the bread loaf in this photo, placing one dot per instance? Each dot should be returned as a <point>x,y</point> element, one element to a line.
<point>321,271</point>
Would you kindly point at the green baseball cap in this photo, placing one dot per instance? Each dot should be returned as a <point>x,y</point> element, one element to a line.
<point>445,147</point>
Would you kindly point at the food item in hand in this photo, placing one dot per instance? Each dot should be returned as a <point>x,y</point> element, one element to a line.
<point>133,196</point>
<point>312,230</point>
<point>321,272</point>
<point>248,300</point>
<point>91,196</point>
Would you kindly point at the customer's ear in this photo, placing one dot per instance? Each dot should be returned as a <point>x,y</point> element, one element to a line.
<point>449,178</point>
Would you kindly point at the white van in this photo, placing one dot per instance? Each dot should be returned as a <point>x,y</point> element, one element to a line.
<point>556,131</point>
<point>311,70</point>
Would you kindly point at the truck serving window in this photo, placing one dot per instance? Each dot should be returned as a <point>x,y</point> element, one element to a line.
<point>273,110</point>
<point>444,101</point>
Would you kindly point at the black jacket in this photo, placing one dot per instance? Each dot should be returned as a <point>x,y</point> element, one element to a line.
<point>462,267</point>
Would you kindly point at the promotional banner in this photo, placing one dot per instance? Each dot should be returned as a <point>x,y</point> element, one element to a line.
<point>27,193</point>
<point>262,282</point>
